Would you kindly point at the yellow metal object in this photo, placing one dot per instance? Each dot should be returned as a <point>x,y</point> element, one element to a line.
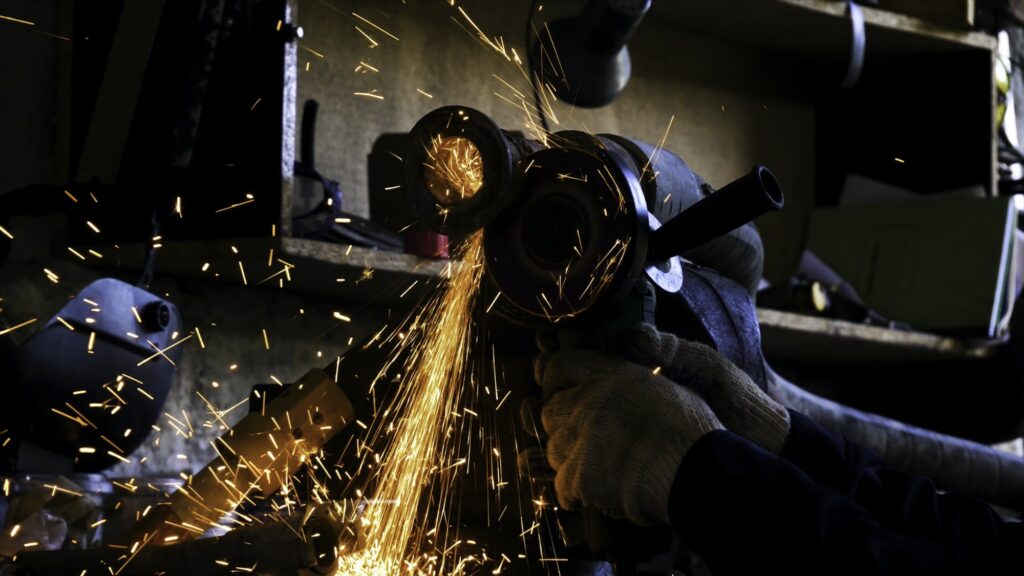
<point>257,456</point>
<point>1002,80</point>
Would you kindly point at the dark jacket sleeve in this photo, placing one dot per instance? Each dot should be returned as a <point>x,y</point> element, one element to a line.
<point>747,511</point>
<point>908,504</point>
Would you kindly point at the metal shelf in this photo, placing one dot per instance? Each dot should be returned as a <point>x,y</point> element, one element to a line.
<point>347,273</point>
<point>816,28</point>
<point>785,335</point>
<point>378,278</point>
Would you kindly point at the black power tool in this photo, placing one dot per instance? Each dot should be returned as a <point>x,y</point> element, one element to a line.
<point>589,234</point>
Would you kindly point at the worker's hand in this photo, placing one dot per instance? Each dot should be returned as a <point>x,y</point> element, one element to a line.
<point>743,407</point>
<point>617,432</point>
<point>531,459</point>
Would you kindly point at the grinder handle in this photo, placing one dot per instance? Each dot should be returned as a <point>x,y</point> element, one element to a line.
<point>719,213</point>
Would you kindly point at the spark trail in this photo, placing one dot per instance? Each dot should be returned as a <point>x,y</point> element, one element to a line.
<point>421,452</point>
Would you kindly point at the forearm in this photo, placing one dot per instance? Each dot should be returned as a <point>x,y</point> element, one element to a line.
<point>902,502</point>
<point>746,511</point>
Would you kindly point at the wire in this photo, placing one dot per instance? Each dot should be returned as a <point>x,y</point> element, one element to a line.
<point>149,268</point>
<point>529,63</point>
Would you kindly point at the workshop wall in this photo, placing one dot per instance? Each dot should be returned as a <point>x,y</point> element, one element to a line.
<point>732,106</point>
<point>28,102</point>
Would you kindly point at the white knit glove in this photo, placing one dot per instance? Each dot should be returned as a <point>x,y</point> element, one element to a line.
<point>617,432</point>
<point>743,407</point>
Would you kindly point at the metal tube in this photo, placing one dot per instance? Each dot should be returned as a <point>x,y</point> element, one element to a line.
<point>720,213</point>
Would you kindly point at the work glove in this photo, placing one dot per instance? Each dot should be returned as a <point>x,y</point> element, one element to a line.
<point>532,460</point>
<point>743,407</point>
<point>617,432</point>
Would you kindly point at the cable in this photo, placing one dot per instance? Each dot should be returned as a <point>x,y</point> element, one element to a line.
<point>529,63</point>
<point>149,268</point>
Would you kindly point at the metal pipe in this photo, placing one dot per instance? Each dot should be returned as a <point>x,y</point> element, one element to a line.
<point>720,213</point>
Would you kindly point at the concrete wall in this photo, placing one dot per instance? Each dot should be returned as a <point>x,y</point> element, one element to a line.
<point>28,101</point>
<point>730,104</point>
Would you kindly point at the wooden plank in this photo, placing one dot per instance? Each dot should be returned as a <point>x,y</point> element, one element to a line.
<point>357,275</point>
<point>956,13</point>
<point>811,28</point>
<point>889,18</point>
<point>795,336</point>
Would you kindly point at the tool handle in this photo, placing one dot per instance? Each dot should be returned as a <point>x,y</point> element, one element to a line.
<point>719,213</point>
<point>608,24</point>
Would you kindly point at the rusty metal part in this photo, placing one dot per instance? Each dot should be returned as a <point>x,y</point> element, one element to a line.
<point>258,455</point>
<point>309,541</point>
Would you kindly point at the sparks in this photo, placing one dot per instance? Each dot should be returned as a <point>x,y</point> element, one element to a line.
<point>16,326</point>
<point>235,205</point>
<point>431,390</point>
<point>383,31</point>
<point>455,171</point>
<point>17,21</point>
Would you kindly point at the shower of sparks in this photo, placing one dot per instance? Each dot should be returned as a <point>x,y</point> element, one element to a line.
<point>455,170</point>
<point>235,205</point>
<point>160,352</point>
<point>313,52</point>
<point>496,43</point>
<point>364,67</point>
<point>383,31</point>
<point>17,20</point>
<point>421,452</point>
<point>370,94</point>
<point>373,43</point>
<point>16,326</point>
<point>650,169</point>
<point>430,425</point>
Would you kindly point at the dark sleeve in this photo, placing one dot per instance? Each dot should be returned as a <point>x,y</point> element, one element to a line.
<point>747,511</point>
<point>901,502</point>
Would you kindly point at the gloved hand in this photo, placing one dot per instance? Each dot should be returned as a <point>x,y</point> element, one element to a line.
<point>617,432</point>
<point>743,407</point>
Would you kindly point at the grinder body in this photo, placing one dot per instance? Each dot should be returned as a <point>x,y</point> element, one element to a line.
<point>705,297</point>
<point>590,235</point>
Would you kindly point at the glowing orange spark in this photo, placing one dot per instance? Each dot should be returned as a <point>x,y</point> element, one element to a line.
<point>455,171</point>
